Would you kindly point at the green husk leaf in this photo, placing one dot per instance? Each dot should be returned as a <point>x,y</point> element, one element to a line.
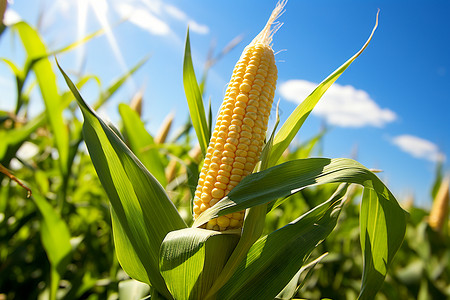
<point>194,99</point>
<point>387,222</point>
<point>192,258</point>
<point>142,213</point>
<point>295,121</point>
<point>295,284</point>
<point>275,258</point>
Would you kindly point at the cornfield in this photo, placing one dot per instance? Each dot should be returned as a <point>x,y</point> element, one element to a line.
<point>231,211</point>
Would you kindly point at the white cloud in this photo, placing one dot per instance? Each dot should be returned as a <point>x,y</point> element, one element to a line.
<point>149,15</point>
<point>198,28</point>
<point>176,13</point>
<point>340,105</point>
<point>418,147</point>
<point>143,18</point>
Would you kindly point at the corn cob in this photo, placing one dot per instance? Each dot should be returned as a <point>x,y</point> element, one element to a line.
<point>439,212</point>
<point>239,133</point>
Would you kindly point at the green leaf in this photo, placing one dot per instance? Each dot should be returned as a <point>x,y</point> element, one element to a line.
<point>192,258</point>
<point>55,238</point>
<point>142,213</point>
<point>275,259</point>
<point>194,99</point>
<point>293,286</point>
<point>381,215</point>
<point>46,78</point>
<point>382,232</point>
<point>132,289</point>
<point>142,144</point>
<point>16,136</point>
<point>295,121</point>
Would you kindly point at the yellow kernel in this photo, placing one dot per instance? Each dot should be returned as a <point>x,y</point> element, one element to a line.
<point>252,108</point>
<point>234,128</point>
<point>240,159</point>
<point>241,104</point>
<point>228,154</point>
<point>249,76</point>
<point>208,184</point>
<point>239,111</point>
<point>223,221</point>
<point>251,68</point>
<point>213,201</point>
<point>258,82</point>
<point>223,179</point>
<point>238,165</point>
<point>204,207</point>
<point>236,216</point>
<point>252,115</point>
<point>245,87</point>
<point>237,172</point>
<point>249,166</point>
<point>262,72</point>
<point>234,223</point>
<point>251,154</point>
<point>246,134</point>
<point>242,98</point>
<point>218,193</point>
<point>220,185</point>
<point>225,167</point>
<point>197,209</point>
<point>206,197</point>
<point>242,147</point>
<point>218,147</point>
<point>235,177</point>
<point>246,128</point>
<point>227,160</point>
<point>224,173</point>
<point>236,122</point>
<point>241,153</point>
<point>245,140</point>
<point>229,147</point>
<point>233,141</point>
<point>214,166</point>
<point>238,116</point>
<point>248,122</point>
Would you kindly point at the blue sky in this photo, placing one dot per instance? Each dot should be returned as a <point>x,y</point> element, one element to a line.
<point>392,104</point>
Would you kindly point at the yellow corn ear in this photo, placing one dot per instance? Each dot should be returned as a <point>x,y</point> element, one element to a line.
<point>438,217</point>
<point>239,133</point>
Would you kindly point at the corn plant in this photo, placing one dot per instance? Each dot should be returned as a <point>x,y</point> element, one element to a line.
<point>56,233</point>
<point>223,254</point>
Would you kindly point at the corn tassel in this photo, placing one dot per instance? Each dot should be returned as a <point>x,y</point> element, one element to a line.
<point>238,137</point>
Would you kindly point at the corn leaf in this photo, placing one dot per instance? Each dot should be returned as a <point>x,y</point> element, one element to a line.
<point>15,137</point>
<point>142,213</point>
<point>55,238</point>
<point>296,283</point>
<point>386,224</point>
<point>295,121</point>
<point>142,144</point>
<point>274,260</point>
<point>46,78</point>
<point>194,99</point>
<point>192,258</point>
<point>376,241</point>
<point>133,290</point>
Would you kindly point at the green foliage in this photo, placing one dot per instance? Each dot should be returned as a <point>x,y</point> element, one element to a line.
<point>117,204</point>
